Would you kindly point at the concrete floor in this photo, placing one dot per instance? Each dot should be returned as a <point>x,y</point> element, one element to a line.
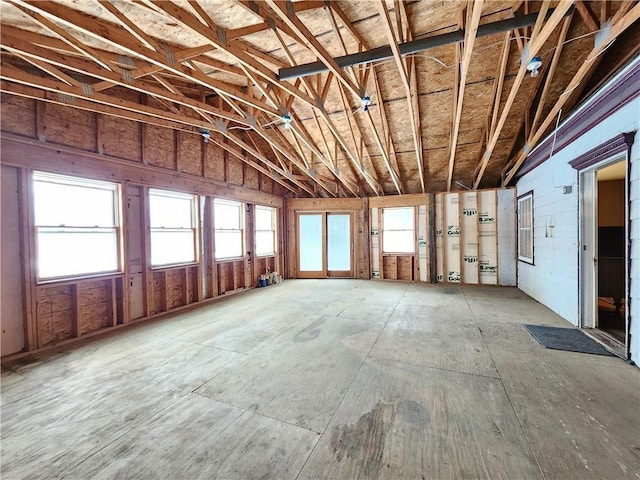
<point>327,379</point>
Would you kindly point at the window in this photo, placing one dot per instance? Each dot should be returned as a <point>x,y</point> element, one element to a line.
<point>265,230</point>
<point>228,221</point>
<point>76,223</point>
<point>398,230</point>
<point>525,227</point>
<point>173,233</point>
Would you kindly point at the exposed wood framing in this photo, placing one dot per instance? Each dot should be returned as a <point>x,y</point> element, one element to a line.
<point>587,15</point>
<point>289,17</point>
<point>475,9</point>
<point>619,25</point>
<point>122,109</point>
<point>409,80</point>
<point>498,84</point>
<point>230,48</point>
<point>211,71</point>
<point>302,133</point>
<point>64,36</point>
<point>538,38</point>
<point>123,41</point>
<point>551,72</point>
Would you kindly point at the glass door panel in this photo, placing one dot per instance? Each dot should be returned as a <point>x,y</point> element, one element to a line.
<point>311,243</point>
<point>339,244</point>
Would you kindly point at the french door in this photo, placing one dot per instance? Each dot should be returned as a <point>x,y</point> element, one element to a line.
<point>325,245</point>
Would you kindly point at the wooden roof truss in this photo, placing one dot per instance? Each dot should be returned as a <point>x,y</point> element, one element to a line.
<point>217,76</point>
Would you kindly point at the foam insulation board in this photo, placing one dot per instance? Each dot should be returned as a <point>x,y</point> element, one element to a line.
<point>452,237</point>
<point>507,237</point>
<point>439,226</point>
<point>423,247</point>
<point>469,237</point>
<point>487,237</point>
<point>375,244</point>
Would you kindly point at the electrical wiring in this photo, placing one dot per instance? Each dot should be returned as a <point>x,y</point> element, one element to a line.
<point>522,37</point>
<point>239,128</point>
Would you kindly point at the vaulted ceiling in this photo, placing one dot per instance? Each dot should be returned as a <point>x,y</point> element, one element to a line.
<point>305,91</point>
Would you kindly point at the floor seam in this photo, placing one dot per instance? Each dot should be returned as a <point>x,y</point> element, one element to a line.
<point>436,368</point>
<point>367,356</point>
<point>129,430</point>
<point>212,346</point>
<point>515,413</point>
<point>256,413</point>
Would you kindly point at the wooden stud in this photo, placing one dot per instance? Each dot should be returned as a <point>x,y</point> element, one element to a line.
<point>186,280</point>
<point>76,329</point>
<point>41,125</point>
<point>125,243</point>
<point>147,274</point>
<point>27,258</point>
<point>496,246</point>
<point>112,310</point>
<point>164,291</point>
<point>604,14</point>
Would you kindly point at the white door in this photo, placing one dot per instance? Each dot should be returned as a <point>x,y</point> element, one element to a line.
<point>588,249</point>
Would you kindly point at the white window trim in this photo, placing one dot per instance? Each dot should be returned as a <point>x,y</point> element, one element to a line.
<point>193,229</point>
<point>114,228</point>
<point>412,230</point>
<point>521,199</point>
<point>273,229</point>
<point>240,205</point>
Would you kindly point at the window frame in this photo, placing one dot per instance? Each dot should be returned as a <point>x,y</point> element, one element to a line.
<point>241,230</point>
<point>274,229</point>
<point>528,196</point>
<point>383,230</point>
<point>115,228</point>
<point>194,226</point>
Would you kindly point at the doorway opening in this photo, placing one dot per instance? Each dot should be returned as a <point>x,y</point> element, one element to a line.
<point>604,259</point>
<point>611,251</point>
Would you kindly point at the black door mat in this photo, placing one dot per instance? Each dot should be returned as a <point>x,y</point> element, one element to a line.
<point>569,339</point>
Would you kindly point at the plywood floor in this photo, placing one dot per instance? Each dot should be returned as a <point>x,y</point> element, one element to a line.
<point>327,379</point>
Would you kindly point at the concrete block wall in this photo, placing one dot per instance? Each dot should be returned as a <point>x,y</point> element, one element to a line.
<point>553,278</point>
